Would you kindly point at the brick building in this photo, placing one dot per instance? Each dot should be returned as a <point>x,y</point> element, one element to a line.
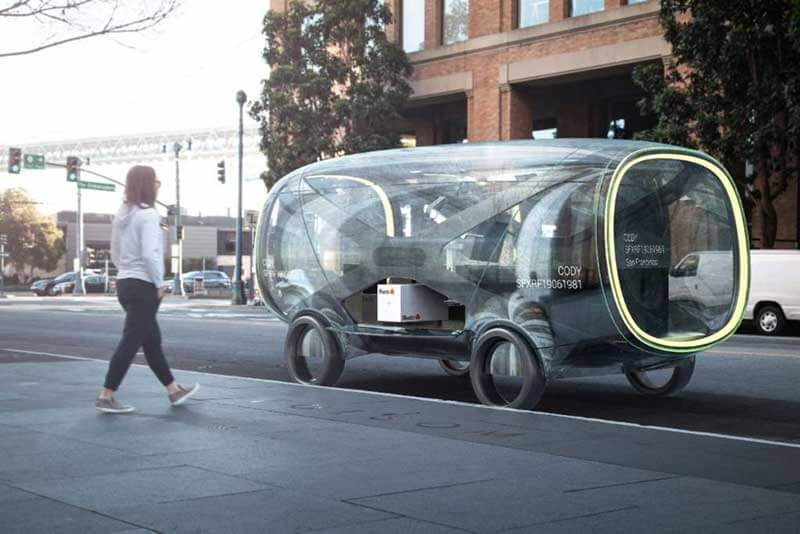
<point>488,70</point>
<point>516,69</point>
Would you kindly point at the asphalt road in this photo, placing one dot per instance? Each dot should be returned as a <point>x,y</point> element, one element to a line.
<point>747,387</point>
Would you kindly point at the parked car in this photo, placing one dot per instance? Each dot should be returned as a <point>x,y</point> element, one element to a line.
<point>93,283</point>
<point>774,290</point>
<point>211,280</point>
<point>60,279</point>
<point>39,287</point>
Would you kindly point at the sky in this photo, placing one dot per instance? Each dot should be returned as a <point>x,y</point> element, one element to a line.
<point>181,75</point>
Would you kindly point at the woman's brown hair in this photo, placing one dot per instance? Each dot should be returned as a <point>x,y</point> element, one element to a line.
<point>140,186</point>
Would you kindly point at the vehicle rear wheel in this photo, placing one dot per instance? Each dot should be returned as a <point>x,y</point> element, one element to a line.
<point>455,368</point>
<point>505,370</point>
<point>662,382</point>
<point>770,320</point>
<point>313,353</point>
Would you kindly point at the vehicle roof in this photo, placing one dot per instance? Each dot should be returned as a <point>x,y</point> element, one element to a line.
<point>524,159</point>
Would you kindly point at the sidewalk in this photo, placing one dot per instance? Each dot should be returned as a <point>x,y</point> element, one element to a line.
<point>256,456</point>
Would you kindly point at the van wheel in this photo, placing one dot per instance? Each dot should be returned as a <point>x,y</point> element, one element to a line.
<point>770,320</point>
<point>653,384</point>
<point>313,353</point>
<point>455,367</point>
<point>505,371</point>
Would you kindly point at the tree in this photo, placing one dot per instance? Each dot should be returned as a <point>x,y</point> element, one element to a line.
<point>34,241</point>
<point>372,70</point>
<point>73,20</point>
<point>337,85</point>
<point>732,90</point>
<point>296,116</point>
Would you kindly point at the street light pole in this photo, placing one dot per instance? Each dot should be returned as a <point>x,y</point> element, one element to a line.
<point>238,293</point>
<point>78,287</point>
<point>178,287</point>
<point>3,242</point>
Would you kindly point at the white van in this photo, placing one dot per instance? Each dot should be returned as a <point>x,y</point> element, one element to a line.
<point>774,289</point>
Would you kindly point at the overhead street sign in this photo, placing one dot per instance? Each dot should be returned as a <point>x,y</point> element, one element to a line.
<point>97,186</point>
<point>33,161</point>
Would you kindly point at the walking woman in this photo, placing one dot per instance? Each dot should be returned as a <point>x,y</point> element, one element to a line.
<point>137,251</point>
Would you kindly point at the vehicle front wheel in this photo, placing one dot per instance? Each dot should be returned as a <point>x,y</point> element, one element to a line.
<point>313,353</point>
<point>770,320</point>
<point>455,368</point>
<point>505,370</point>
<point>662,382</point>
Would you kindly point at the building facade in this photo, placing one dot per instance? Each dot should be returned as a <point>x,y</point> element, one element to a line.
<point>488,70</point>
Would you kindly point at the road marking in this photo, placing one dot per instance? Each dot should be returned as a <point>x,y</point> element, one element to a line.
<point>451,402</point>
<point>751,353</point>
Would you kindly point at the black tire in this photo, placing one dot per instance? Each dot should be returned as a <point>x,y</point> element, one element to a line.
<point>332,361</point>
<point>483,383</point>
<point>681,375</point>
<point>770,320</point>
<point>455,368</point>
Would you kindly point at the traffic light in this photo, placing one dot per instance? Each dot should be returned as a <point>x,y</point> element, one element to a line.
<point>221,171</point>
<point>14,160</point>
<point>73,169</point>
<point>180,232</point>
<point>91,256</point>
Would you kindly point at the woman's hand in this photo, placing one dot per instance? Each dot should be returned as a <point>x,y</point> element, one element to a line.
<point>161,292</point>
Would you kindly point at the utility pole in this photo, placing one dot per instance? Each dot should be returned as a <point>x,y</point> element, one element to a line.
<point>105,289</point>
<point>3,243</point>
<point>252,219</point>
<point>79,289</point>
<point>238,293</point>
<point>178,289</point>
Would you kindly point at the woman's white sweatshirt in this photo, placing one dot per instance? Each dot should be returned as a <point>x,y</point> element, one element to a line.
<point>137,244</point>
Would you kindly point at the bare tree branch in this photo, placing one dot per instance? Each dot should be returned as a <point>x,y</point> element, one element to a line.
<point>12,7</point>
<point>41,8</point>
<point>58,13</point>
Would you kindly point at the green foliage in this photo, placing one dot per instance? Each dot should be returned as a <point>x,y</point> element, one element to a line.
<point>337,85</point>
<point>732,89</point>
<point>34,241</point>
<point>297,100</point>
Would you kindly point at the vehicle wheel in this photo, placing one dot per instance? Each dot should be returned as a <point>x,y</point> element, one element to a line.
<point>770,320</point>
<point>455,367</point>
<point>313,353</point>
<point>505,371</point>
<point>662,382</point>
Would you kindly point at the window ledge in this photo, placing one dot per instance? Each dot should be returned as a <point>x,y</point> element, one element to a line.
<point>539,32</point>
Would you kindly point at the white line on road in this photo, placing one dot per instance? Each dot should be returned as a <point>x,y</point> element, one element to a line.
<point>753,353</point>
<point>451,402</point>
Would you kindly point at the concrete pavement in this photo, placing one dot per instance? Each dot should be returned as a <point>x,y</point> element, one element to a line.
<point>261,456</point>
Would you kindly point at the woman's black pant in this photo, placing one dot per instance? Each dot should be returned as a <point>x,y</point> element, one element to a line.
<point>140,301</point>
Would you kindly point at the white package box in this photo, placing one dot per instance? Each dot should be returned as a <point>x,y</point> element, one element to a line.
<point>410,303</point>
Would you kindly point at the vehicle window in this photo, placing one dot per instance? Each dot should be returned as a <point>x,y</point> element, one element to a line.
<point>687,267</point>
<point>669,214</point>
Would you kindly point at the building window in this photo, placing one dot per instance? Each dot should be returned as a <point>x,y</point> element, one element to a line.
<point>413,25</point>
<point>533,12</point>
<point>631,2</point>
<point>455,21</point>
<point>584,7</point>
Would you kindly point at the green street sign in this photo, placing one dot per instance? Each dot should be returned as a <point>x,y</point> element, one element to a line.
<point>97,186</point>
<point>33,161</point>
